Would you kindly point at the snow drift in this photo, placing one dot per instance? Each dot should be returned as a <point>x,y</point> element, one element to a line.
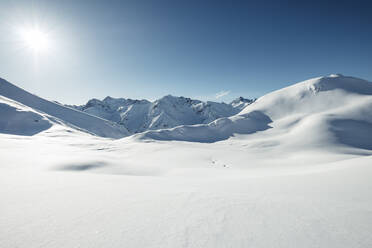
<point>13,119</point>
<point>217,130</point>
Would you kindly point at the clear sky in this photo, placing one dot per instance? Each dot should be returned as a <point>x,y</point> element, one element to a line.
<point>211,50</point>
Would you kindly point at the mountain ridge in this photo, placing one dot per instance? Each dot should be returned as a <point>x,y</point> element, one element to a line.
<point>333,108</point>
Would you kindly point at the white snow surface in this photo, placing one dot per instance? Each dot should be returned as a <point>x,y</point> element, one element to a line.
<point>293,169</point>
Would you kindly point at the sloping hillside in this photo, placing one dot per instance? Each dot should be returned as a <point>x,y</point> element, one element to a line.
<point>21,120</point>
<point>68,116</point>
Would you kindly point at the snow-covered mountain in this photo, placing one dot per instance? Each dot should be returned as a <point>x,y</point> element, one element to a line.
<point>24,113</point>
<point>334,110</point>
<point>167,112</point>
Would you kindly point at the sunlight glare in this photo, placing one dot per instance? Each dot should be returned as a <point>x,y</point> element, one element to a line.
<point>35,39</point>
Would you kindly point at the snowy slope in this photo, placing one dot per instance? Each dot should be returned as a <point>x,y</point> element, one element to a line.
<point>60,113</point>
<point>333,109</point>
<point>21,120</point>
<point>169,111</point>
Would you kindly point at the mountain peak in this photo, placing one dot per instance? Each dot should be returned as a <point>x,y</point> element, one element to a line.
<point>335,75</point>
<point>108,98</point>
<point>241,99</point>
<point>241,102</point>
<point>340,82</point>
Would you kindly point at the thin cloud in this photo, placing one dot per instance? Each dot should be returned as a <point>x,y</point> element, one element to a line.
<point>222,94</point>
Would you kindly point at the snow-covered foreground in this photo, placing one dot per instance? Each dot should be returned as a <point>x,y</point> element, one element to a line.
<point>66,189</point>
<point>293,169</point>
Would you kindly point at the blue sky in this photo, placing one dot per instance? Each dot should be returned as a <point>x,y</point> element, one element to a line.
<point>199,49</point>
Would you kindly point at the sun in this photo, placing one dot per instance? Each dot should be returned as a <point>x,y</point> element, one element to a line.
<point>35,39</point>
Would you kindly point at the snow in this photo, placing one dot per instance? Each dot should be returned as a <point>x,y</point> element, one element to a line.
<point>179,194</point>
<point>291,170</point>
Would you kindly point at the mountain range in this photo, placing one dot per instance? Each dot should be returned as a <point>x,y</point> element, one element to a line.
<point>167,112</point>
<point>332,108</point>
